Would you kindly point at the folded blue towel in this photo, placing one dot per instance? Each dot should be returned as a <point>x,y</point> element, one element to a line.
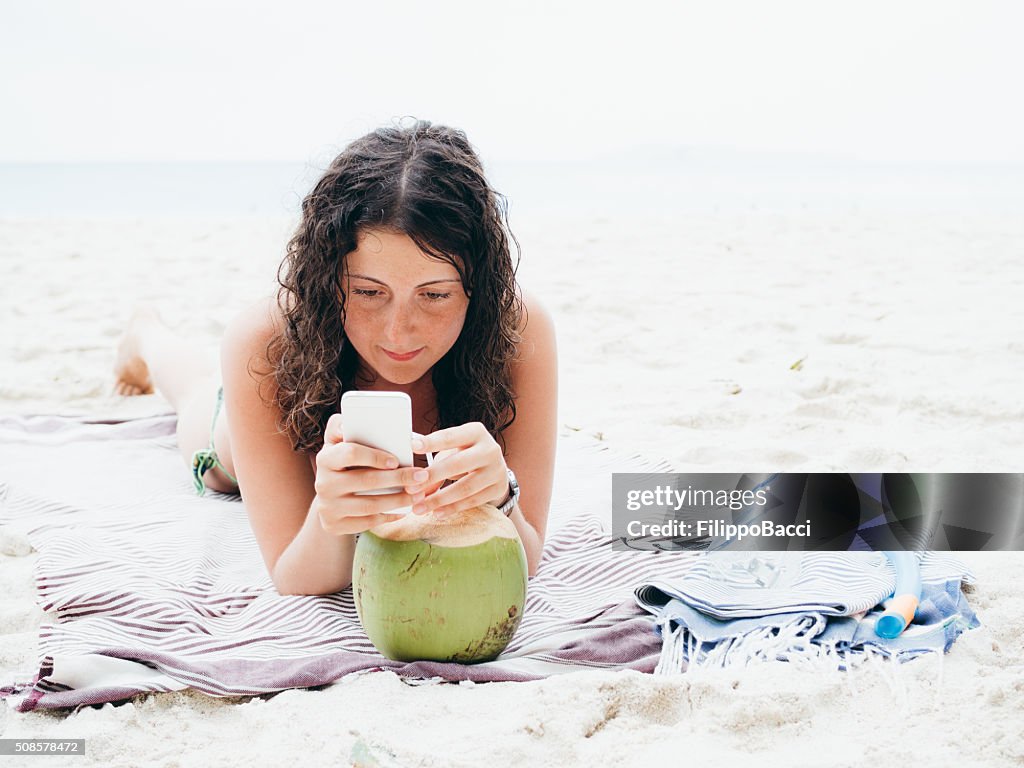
<point>820,624</point>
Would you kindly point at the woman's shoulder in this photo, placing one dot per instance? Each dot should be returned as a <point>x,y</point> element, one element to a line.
<point>256,322</point>
<point>247,339</point>
<point>536,327</point>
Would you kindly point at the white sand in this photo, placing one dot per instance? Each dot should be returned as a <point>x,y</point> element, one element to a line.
<point>677,339</point>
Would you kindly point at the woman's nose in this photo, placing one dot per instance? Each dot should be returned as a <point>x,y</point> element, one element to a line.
<point>400,323</point>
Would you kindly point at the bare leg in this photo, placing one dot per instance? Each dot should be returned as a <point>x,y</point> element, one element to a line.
<point>151,356</point>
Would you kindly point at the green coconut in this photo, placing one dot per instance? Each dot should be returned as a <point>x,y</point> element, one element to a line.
<point>446,588</point>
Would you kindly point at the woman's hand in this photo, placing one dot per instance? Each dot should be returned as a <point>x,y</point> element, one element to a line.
<point>343,468</point>
<point>471,458</point>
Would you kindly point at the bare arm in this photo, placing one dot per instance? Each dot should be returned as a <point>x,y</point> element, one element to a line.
<point>276,482</point>
<point>531,439</point>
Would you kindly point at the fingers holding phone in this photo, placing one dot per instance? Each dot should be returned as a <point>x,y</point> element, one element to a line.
<point>365,463</point>
<point>470,461</point>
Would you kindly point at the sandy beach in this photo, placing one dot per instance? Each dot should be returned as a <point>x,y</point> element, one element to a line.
<point>734,340</point>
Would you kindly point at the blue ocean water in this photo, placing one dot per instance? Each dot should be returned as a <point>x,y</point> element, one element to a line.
<point>137,189</point>
<point>626,184</point>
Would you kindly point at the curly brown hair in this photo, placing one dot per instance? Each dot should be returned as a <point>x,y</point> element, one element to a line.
<point>424,181</point>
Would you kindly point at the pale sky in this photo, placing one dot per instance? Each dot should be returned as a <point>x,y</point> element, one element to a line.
<point>904,80</point>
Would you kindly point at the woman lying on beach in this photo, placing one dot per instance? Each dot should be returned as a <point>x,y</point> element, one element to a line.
<point>399,278</point>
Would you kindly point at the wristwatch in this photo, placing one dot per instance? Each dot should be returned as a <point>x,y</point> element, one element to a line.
<point>513,495</point>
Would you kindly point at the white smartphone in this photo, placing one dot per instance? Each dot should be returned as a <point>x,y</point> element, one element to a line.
<point>381,420</point>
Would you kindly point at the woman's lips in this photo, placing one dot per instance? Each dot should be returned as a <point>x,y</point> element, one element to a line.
<point>403,356</point>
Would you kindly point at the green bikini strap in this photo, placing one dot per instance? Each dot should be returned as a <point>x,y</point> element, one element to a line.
<point>204,459</point>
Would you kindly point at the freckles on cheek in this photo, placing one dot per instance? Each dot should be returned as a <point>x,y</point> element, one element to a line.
<point>355,319</point>
<point>451,329</point>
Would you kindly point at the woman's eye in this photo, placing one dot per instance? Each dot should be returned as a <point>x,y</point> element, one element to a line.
<point>437,296</point>
<point>368,292</point>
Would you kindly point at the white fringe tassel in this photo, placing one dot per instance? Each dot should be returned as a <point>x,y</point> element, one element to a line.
<point>682,653</point>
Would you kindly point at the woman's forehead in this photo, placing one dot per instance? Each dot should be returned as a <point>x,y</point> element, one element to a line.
<point>381,252</point>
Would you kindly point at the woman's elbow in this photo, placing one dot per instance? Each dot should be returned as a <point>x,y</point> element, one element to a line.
<point>286,586</point>
<point>534,552</point>
<point>307,591</point>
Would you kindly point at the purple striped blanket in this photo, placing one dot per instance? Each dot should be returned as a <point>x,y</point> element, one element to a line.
<point>149,587</point>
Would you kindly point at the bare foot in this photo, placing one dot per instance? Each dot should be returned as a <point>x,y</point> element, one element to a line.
<point>131,374</point>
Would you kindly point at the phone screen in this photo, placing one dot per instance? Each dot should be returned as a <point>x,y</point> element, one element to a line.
<point>381,420</point>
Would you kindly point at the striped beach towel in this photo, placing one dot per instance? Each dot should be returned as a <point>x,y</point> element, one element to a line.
<point>149,587</point>
<point>737,608</point>
<point>727,585</point>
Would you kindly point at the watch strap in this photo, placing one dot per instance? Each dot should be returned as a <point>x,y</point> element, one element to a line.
<point>513,495</point>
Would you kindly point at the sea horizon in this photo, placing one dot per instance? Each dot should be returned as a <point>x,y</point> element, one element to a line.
<point>643,182</point>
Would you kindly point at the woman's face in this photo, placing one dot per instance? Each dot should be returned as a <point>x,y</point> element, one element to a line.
<point>403,310</point>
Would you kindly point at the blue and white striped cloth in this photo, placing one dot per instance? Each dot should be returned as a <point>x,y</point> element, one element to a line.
<point>733,608</point>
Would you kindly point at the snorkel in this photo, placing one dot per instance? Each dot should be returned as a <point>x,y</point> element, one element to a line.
<point>902,605</point>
